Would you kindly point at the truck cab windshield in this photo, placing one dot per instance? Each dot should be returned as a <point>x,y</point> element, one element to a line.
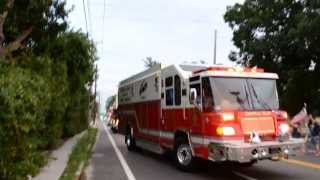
<point>233,93</point>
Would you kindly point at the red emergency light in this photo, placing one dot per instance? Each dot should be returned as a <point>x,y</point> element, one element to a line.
<point>230,69</point>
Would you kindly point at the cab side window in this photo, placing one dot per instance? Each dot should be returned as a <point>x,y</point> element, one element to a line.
<point>177,90</point>
<point>197,87</point>
<point>169,91</point>
<point>207,98</point>
<point>173,90</point>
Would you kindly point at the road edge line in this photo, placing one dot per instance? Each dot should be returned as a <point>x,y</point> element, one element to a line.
<point>301,163</point>
<point>122,160</point>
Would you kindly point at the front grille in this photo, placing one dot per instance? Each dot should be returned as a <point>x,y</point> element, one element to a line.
<point>275,150</point>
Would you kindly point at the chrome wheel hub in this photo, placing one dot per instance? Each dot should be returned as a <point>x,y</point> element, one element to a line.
<point>128,141</point>
<point>184,155</point>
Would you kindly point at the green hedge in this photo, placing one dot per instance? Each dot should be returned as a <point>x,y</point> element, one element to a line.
<point>23,108</point>
<point>43,99</point>
<point>43,83</point>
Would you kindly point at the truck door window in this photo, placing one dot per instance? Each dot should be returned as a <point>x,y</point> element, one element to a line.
<point>169,97</point>
<point>207,98</point>
<point>197,87</point>
<point>177,90</point>
<point>169,91</point>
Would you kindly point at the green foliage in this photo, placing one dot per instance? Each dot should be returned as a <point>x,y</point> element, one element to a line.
<point>44,94</point>
<point>283,37</point>
<point>55,75</point>
<point>79,55</point>
<point>23,104</point>
<point>76,118</point>
<point>46,17</point>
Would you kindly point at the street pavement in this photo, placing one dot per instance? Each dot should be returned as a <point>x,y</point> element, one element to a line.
<point>108,164</point>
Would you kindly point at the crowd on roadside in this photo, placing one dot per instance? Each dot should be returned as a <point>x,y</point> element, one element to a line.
<point>308,128</point>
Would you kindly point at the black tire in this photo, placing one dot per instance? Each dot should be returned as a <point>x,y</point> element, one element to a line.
<point>184,159</point>
<point>129,140</point>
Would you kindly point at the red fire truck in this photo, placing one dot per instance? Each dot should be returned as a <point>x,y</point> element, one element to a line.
<point>216,113</point>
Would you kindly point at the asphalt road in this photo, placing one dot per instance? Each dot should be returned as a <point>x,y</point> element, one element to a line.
<point>108,164</point>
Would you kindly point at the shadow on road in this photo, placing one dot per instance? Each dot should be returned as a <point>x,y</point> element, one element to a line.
<point>147,165</point>
<point>204,170</point>
<point>211,170</point>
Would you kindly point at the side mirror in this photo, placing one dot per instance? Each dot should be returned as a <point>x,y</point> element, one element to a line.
<point>193,96</point>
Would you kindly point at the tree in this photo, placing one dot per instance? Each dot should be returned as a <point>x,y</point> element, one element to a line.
<point>282,37</point>
<point>30,24</point>
<point>149,62</point>
<point>78,55</point>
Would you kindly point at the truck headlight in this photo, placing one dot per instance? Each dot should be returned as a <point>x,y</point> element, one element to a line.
<point>225,131</point>
<point>284,128</point>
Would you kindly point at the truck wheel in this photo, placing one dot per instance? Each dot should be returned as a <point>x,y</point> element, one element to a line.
<point>130,141</point>
<point>183,156</point>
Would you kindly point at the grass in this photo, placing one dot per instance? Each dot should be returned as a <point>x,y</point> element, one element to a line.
<point>80,155</point>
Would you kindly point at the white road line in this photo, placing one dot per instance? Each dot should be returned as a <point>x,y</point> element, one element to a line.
<point>243,175</point>
<point>123,162</point>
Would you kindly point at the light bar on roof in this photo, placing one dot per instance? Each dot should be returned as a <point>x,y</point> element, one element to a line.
<point>230,69</point>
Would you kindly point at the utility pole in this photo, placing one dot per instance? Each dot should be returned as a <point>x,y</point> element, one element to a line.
<point>99,105</point>
<point>215,48</point>
<point>89,104</point>
<point>95,96</point>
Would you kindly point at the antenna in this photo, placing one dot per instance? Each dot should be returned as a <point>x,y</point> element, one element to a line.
<point>215,47</point>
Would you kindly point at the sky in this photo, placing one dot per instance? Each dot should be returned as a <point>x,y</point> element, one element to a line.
<point>170,31</point>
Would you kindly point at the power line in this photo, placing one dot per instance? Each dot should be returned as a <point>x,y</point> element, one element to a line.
<point>85,16</point>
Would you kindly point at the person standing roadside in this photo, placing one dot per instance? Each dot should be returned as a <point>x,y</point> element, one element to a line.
<point>315,134</point>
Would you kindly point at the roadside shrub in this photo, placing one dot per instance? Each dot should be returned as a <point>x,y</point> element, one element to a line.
<point>55,75</point>
<point>24,103</point>
<point>42,100</point>
<point>79,62</point>
<point>77,113</point>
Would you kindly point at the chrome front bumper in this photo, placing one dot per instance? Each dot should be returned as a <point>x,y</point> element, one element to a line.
<point>246,152</point>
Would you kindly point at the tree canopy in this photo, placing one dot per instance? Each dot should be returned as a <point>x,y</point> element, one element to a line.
<point>150,62</point>
<point>282,37</point>
<point>27,24</point>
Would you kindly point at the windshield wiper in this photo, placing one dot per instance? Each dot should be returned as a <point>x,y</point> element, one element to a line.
<point>262,103</point>
<point>239,100</point>
<point>247,96</point>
